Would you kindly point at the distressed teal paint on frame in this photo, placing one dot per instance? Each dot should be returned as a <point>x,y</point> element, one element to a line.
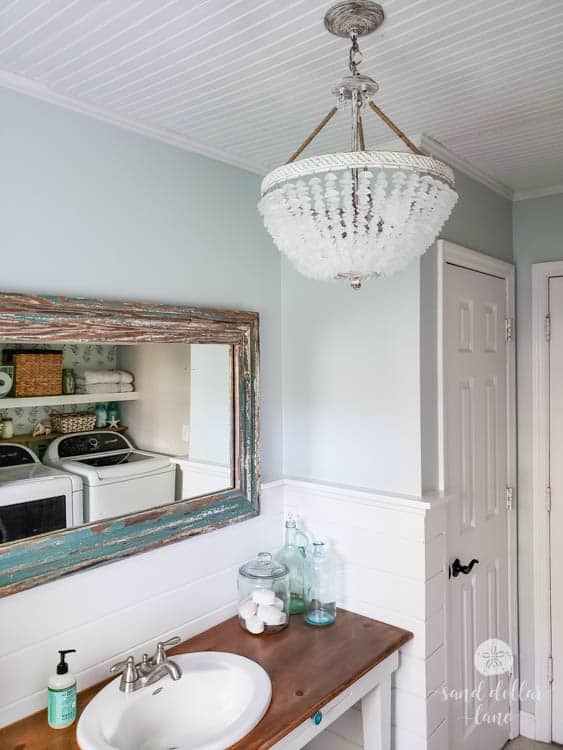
<point>37,560</point>
<point>25,318</point>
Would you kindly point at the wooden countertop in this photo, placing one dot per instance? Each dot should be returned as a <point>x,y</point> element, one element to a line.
<point>307,666</point>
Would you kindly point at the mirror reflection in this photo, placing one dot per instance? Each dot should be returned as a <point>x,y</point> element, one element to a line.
<point>95,431</point>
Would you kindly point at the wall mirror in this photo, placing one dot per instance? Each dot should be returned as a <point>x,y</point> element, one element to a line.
<point>124,426</point>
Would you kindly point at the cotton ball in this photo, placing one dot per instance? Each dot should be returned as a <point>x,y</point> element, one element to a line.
<point>263,596</point>
<point>270,615</point>
<point>254,625</point>
<point>247,609</point>
<point>278,603</point>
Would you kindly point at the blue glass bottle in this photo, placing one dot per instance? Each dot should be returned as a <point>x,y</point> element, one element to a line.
<point>101,415</point>
<point>320,587</point>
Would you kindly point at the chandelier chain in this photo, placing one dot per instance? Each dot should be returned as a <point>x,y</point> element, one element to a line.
<point>355,56</point>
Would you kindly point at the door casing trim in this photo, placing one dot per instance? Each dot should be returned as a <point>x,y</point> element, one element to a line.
<point>450,253</point>
<point>541,274</point>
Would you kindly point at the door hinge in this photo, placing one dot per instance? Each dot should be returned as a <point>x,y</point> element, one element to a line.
<point>509,498</point>
<point>550,669</point>
<point>548,328</point>
<point>548,498</point>
<point>508,328</point>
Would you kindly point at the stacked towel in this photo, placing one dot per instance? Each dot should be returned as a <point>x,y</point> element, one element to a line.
<point>104,376</point>
<point>104,381</point>
<point>104,387</point>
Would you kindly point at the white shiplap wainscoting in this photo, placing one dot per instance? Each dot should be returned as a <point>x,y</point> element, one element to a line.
<point>391,551</point>
<point>114,610</point>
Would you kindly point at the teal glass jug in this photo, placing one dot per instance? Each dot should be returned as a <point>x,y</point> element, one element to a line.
<point>293,555</point>
<point>320,586</point>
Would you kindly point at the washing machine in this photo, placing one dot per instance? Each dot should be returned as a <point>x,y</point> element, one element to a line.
<point>35,499</point>
<point>117,477</point>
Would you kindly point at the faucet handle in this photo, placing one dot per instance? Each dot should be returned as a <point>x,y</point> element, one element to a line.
<point>146,665</point>
<point>128,669</point>
<point>160,655</point>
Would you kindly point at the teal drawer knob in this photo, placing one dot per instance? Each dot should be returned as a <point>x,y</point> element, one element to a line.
<point>317,718</point>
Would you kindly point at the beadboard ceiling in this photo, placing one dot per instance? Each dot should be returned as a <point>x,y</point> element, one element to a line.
<point>246,80</point>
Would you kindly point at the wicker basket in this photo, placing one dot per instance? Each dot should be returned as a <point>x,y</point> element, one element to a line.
<point>80,421</point>
<point>36,373</point>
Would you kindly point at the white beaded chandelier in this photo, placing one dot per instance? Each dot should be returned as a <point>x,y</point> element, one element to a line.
<point>360,214</point>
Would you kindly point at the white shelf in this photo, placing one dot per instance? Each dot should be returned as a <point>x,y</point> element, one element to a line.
<point>75,398</point>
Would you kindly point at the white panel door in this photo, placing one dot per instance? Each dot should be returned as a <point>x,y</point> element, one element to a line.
<point>476,442</point>
<point>556,483</point>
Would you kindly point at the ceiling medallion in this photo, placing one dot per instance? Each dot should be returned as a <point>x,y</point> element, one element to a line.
<point>357,214</point>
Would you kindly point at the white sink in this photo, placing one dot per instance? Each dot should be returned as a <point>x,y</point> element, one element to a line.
<point>217,701</point>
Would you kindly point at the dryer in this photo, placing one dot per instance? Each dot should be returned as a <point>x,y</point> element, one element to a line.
<point>35,499</point>
<point>117,477</point>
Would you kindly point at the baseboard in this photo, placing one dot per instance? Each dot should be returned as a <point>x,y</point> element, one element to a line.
<point>527,725</point>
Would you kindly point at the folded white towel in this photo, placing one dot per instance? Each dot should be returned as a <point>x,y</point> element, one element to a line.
<point>104,387</point>
<point>103,376</point>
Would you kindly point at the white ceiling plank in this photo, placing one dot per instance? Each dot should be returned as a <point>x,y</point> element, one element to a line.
<point>229,96</point>
<point>49,19</point>
<point>246,80</point>
<point>11,27</point>
<point>410,85</point>
<point>177,71</point>
<point>113,71</point>
<point>47,45</point>
<point>74,66</point>
<point>81,40</point>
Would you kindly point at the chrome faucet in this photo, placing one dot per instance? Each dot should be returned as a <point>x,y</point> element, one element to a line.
<point>149,670</point>
<point>160,670</point>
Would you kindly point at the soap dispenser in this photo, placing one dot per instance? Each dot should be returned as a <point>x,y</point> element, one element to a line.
<point>293,555</point>
<point>61,707</point>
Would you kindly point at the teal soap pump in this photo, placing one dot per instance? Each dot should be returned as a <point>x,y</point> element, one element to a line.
<point>61,706</point>
<point>293,554</point>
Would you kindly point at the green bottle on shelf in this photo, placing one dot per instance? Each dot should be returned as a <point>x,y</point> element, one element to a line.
<point>293,554</point>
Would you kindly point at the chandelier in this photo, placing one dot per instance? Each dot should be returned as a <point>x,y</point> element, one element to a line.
<point>356,214</point>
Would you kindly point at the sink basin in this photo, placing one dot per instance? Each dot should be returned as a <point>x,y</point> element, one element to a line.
<point>217,701</point>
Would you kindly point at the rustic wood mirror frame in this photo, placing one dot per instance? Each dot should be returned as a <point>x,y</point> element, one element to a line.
<point>39,319</point>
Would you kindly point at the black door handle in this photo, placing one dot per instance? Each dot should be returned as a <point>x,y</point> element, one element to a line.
<point>456,568</point>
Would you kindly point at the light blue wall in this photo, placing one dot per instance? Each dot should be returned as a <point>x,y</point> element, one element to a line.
<point>481,220</point>
<point>359,367</point>
<point>87,208</point>
<point>538,237</point>
<point>351,381</point>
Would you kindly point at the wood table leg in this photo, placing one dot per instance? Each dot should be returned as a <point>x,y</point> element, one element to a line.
<point>376,717</point>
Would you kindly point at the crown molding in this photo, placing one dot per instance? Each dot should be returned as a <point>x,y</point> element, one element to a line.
<point>40,91</point>
<point>439,151</point>
<point>524,195</point>
<point>425,142</point>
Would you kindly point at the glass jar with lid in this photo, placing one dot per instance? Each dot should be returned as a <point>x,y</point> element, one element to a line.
<point>263,587</point>
<point>69,381</point>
